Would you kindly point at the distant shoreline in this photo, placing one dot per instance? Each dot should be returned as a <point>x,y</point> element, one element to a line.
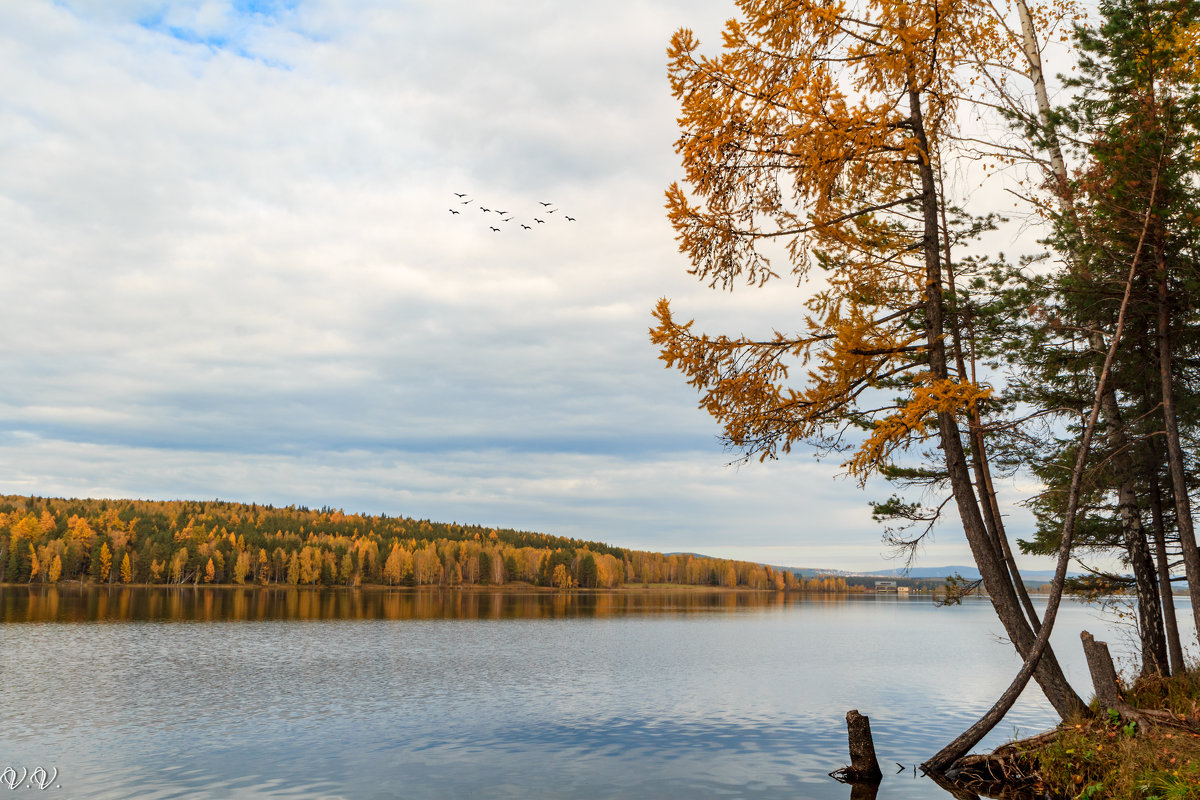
<point>508,588</point>
<point>515,587</point>
<point>512,588</point>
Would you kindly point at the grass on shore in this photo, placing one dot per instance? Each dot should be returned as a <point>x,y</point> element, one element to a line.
<point>1105,758</point>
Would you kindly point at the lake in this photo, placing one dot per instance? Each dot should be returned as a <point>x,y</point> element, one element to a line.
<point>288,693</point>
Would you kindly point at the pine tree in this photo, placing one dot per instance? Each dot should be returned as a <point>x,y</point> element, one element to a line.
<point>1133,203</point>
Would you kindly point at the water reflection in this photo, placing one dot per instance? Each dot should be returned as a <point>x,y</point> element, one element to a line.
<point>75,603</point>
<point>319,693</point>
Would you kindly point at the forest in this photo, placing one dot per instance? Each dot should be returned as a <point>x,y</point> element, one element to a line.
<point>47,540</point>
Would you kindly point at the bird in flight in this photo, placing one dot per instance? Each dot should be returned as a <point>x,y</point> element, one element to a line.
<point>507,216</point>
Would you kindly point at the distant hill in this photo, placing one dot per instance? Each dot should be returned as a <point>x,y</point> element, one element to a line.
<point>125,541</point>
<point>917,573</point>
<point>971,573</point>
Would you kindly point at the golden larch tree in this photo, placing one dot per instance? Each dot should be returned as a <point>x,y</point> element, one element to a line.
<point>105,562</point>
<point>817,139</point>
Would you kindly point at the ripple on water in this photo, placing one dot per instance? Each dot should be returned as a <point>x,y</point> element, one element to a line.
<point>711,702</point>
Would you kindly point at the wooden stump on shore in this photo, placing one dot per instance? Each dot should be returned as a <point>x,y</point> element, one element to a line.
<point>1104,675</point>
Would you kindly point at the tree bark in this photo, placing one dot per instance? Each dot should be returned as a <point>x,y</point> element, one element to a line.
<point>994,523</point>
<point>1033,57</point>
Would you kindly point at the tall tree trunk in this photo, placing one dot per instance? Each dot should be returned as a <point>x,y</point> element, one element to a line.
<point>1183,509</point>
<point>986,491</point>
<point>1033,57</point>
<point>1137,548</point>
<point>1174,646</point>
<point>994,522</point>
<point>992,567</point>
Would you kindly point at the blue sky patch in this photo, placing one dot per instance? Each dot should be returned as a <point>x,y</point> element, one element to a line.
<point>232,39</point>
<point>264,8</point>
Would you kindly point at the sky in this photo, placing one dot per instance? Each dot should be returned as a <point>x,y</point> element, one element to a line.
<point>229,269</point>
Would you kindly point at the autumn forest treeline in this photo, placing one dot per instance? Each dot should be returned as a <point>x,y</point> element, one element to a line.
<point>48,540</point>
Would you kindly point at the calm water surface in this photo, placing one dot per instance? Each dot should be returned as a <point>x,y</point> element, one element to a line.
<point>256,693</point>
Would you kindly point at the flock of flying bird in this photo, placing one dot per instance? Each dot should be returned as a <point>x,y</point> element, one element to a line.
<point>505,216</point>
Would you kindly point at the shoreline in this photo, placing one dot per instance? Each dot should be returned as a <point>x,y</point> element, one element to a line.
<point>515,588</point>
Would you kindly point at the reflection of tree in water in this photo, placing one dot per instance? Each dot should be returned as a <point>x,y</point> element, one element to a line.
<point>67,603</point>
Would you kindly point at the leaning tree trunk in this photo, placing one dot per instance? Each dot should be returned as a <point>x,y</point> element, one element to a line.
<point>993,522</point>
<point>992,567</point>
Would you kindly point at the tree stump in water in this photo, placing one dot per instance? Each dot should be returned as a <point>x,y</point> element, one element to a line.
<point>864,767</point>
